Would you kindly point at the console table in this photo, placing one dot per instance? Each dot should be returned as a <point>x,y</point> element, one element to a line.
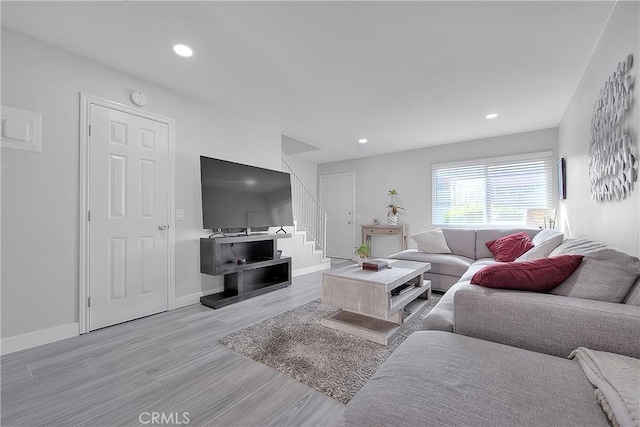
<point>384,230</point>
<point>249,265</point>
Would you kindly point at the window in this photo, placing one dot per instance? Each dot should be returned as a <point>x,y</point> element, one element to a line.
<point>491,191</point>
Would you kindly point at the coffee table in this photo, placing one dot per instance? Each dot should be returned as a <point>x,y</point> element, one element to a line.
<point>369,308</point>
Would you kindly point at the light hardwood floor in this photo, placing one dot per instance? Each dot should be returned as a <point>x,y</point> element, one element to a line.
<point>168,363</point>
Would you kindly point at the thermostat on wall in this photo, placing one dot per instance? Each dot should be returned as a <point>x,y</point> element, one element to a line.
<point>139,98</point>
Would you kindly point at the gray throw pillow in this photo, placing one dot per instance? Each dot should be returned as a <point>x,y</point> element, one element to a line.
<point>598,250</point>
<point>606,273</point>
<point>599,280</point>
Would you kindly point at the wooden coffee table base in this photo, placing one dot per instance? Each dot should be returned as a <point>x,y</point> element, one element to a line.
<point>372,329</point>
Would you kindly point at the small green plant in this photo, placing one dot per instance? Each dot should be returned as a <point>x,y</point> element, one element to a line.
<point>363,251</point>
<point>393,208</point>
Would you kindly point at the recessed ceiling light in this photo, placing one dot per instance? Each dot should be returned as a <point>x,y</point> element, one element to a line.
<point>183,50</point>
<point>363,141</point>
<point>491,116</point>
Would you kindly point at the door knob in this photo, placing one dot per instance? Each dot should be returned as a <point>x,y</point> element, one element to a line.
<point>163,227</point>
<point>348,222</point>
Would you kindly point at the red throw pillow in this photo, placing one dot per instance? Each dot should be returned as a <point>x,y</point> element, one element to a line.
<point>508,248</point>
<point>540,275</point>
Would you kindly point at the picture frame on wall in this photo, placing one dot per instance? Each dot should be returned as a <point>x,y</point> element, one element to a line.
<point>562,179</point>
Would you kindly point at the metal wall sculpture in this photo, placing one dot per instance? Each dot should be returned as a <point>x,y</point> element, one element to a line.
<point>612,165</point>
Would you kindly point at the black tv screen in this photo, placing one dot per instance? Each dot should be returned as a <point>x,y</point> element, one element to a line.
<point>237,196</point>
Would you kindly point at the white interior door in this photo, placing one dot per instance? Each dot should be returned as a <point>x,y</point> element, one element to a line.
<point>337,197</point>
<point>128,223</point>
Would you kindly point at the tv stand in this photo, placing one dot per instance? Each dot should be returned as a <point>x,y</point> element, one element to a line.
<point>261,272</point>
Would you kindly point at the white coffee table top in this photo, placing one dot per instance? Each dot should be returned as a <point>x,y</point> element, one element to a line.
<point>400,272</point>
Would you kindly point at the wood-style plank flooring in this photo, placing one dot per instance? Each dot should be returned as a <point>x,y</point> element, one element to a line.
<point>168,363</point>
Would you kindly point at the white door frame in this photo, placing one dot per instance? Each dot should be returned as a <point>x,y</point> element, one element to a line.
<point>86,101</point>
<point>353,202</point>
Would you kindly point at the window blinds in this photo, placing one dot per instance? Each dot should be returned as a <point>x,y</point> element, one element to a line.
<point>491,191</point>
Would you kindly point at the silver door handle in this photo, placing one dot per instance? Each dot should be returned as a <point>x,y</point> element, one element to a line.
<point>163,227</point>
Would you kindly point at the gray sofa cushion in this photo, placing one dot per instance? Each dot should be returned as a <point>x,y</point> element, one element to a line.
<point>606,274</point>
<point>440,318</point>
<point>484,236</point>
<point>461,241</point>
<point>448,264</point>
<point>475,267</point>
<point>633,297</point>
<point>438,379</point>
<point>441,282</point>
<point>546,323</point>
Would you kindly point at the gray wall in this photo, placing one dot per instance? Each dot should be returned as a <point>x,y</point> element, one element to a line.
<point>409,172</point>
<point>40,190</point>
<point>616,223</point>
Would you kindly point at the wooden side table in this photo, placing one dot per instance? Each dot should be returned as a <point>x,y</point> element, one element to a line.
<point>384,230</point>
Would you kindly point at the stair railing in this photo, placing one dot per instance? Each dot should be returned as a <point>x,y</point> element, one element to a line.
<point>307,211</point>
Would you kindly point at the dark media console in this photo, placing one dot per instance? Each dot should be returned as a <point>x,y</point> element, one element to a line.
<point>250,266</point>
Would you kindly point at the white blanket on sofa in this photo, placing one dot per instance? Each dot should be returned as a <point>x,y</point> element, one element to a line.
<point>617,382</point>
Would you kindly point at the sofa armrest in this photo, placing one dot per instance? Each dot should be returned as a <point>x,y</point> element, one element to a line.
<point>546,323</point>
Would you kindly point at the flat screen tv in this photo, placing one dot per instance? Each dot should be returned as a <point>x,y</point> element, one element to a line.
<point>237,197</point>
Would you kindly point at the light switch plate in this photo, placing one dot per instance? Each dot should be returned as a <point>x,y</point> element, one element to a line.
<point>15,130</point>
<point>180,215</point>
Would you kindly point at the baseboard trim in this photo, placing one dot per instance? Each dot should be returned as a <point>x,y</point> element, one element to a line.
<point>46,336</point>
<point>312,269</point>
<point>190,299</point>
<point>34,339</point>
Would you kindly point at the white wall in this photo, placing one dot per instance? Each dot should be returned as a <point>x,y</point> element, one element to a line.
<point>304,260</point>
<point>409,172</point>
<point>40,190</point>
<point>616,223</point>
<point>307,172</point>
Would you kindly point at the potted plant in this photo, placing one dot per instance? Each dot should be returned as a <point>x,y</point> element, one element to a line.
<point>392,215</point>
<point>363,252</point>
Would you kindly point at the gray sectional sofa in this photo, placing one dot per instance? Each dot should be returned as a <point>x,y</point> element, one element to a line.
<point>468,248</point>
<point>469,245</point>
<point>443,379</point>
<point>506,362</point>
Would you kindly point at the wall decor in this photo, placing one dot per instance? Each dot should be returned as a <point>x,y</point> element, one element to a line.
<point>562,179</point>
<point>612,164</point>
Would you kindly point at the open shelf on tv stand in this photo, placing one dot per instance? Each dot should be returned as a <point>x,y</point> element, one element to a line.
<point>262,271</point>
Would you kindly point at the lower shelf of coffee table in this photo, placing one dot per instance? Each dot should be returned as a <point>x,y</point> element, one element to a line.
<point>370,328</point>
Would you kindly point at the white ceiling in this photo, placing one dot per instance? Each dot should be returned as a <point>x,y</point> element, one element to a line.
<point>402,74</point>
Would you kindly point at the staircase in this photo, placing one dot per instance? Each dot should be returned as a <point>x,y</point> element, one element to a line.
<point>309,230</point>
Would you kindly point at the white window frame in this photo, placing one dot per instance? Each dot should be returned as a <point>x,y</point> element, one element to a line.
<point>486,162</point>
